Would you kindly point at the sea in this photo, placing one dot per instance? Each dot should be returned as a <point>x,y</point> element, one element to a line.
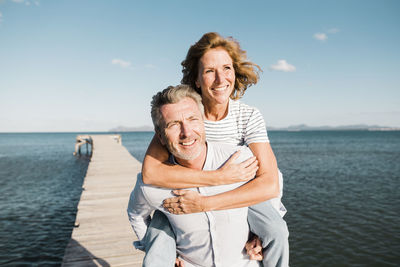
<point>341,190</point>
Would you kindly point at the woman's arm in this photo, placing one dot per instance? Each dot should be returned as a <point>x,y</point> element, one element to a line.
<point>157,171</point>
<point>264,187</point>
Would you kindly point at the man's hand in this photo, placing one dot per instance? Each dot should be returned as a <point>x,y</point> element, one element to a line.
<point>231,172</point>
<point>254,248</point>
<point>179,263</point>
<point>186,201</point>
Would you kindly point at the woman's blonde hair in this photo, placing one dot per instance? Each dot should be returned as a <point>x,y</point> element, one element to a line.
<point>246,72</point>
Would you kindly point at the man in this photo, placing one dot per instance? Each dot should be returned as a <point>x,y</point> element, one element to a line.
<point>215,238</point>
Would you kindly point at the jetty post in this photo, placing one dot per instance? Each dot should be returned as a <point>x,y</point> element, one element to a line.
<point>83,140</point>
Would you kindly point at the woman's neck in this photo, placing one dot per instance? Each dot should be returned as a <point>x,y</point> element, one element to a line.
<point>216,112</point>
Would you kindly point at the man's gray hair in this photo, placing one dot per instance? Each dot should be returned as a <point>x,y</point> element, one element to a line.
<point>171,95</point>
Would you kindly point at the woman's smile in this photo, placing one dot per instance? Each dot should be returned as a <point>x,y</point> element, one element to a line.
<point>216,77</point>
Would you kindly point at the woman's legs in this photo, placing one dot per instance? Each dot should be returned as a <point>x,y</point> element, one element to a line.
<point>265,221</point>
<point>159,243</point>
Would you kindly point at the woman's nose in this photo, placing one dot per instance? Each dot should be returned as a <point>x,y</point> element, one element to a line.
<point>219,77</point>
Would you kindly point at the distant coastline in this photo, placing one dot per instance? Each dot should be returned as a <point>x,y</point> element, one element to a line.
<point>132,129</point>
<point>292,128</point>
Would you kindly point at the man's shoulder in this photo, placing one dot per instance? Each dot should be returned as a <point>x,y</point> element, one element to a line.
<point>222,151</point>
<point>218,146</point>
<point>153,194</point>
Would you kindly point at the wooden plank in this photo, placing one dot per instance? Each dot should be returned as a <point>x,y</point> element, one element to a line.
<point>104,236</point>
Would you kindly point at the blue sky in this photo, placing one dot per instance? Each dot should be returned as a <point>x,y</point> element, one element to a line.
<point>94,65</point>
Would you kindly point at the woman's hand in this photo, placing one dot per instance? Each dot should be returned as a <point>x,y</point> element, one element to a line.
<point>186,201</point>
<point>233,173</point>
<point>254,248</point>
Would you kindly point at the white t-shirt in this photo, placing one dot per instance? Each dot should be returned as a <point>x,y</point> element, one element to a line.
<point>213,238</point>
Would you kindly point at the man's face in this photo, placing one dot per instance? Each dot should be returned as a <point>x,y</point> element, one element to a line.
<point>184,134</point>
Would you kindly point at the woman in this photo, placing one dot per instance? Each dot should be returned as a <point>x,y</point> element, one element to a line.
<point>217,68</point>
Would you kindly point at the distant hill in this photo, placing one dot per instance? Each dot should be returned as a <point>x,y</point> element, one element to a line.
<point>292,128</point>
<point>359,127</point>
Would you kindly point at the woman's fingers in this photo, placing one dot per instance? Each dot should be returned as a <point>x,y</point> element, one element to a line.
<point>247,169</point>
<point>232,172</point>
<point>172,205</point>
<point>188,201</point>
<point>233,157</point>
<point>171,200</point>
<point>250,167</point>
<point>248,161</point>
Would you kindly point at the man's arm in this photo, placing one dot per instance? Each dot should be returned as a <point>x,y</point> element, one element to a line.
<point>139,210</point>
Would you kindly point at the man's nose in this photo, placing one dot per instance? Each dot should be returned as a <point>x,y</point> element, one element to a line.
<point>185,130</point>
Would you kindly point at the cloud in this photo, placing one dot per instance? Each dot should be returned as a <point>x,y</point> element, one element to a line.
<point>120,62</point>
<point>333,30</point>
<point>282,65</point>
<point>27,2</point>
<point>320,36</point>
<point>150,66</point>
<point>1,17</point>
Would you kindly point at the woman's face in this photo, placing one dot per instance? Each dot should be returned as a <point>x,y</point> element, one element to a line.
<point>216,76</point>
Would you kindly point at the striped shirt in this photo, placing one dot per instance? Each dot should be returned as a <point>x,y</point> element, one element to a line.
<point>242,126</point>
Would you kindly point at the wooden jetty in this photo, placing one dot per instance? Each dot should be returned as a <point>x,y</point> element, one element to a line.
<point>102,235</point>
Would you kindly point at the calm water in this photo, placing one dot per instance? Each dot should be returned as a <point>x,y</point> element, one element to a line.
<point>341,190</point>
<point>40,186</point>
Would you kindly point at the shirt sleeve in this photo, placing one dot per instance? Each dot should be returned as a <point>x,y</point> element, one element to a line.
<point>255,129</point>
<point>139,209</point>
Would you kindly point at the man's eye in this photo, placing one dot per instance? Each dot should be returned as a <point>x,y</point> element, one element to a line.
<point>172,125</point>
<point>209,71</point>
<point>228,67</point>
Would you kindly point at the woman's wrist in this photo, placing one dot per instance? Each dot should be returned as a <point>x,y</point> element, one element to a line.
<point>206,204</point>
<point>218,177</point>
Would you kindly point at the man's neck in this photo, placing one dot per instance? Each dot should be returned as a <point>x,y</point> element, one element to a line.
<point>196,163</point>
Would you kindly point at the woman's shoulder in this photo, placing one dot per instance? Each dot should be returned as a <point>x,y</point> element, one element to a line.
<point>236,107</point>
